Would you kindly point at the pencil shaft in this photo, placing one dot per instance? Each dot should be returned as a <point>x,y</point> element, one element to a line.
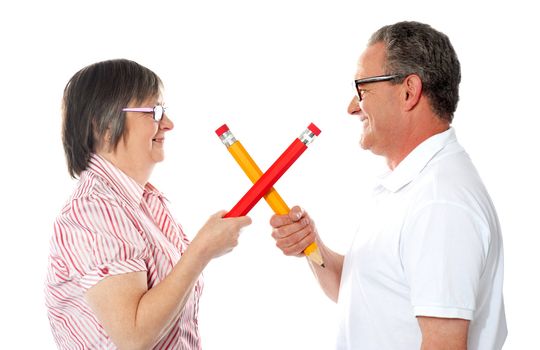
<point>274,200</point>
<point>253,172</point>
<point>268,179</point>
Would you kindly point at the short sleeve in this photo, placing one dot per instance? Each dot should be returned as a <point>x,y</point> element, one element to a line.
<point>98,237</point>
<point>443,249</point>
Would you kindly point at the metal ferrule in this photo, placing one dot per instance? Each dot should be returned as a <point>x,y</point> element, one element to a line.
<point>307,137</point>
<point>227,138</point>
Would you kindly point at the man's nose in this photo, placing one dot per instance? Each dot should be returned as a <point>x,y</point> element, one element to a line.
<point>354,106</point>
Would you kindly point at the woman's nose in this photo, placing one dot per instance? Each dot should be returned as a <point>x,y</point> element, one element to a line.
<point>166,123</point>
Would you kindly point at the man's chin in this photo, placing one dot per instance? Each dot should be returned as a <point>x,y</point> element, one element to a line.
<point>363,144</point>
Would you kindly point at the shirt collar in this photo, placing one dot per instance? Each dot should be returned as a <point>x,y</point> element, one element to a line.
<point>119,181</point>
<point>416,161</point>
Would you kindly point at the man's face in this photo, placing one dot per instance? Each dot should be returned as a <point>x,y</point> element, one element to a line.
<point>379,108</point>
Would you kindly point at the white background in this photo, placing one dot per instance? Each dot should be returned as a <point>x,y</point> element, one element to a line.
<point>267,69</point>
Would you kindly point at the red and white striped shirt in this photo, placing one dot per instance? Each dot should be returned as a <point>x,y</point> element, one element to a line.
<point>112,225</point>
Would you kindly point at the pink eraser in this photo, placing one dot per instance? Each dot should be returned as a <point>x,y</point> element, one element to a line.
<point>314,129</point>
<point>223,129</point>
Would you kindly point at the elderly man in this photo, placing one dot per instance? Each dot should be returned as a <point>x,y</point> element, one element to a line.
<point>425,270</point>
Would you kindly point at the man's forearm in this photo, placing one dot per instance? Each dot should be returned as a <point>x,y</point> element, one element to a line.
<point>329,277</point>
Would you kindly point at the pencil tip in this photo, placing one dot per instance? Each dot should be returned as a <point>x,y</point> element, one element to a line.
<point>322,265</point>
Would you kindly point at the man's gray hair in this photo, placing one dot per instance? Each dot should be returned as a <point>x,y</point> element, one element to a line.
<point>417,48</point>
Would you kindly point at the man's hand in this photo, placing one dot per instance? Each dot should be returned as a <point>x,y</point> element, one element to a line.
<point>293,232</point>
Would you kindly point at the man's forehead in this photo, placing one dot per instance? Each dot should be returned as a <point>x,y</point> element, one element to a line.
<point>371,61</point>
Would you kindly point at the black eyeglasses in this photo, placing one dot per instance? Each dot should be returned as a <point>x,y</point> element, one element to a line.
<point>376,79</point>
<point>157,111</point>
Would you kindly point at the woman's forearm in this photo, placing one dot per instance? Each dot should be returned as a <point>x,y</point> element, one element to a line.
<point>135,316</point>
<point>161,304</point>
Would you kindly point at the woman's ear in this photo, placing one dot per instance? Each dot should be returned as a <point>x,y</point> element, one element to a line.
<point>413,90</point>
<point>102,142</point>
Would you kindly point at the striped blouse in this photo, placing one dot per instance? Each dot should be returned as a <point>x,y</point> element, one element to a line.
<point>112,225</point>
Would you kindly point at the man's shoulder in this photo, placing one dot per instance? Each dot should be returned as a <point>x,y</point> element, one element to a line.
<point>450,171</point>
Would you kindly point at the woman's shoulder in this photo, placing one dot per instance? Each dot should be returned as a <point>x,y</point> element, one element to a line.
<point>90,192</point>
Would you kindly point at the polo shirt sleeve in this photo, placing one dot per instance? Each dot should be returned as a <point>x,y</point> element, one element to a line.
<point>443,249</point>
<point>98,238</point>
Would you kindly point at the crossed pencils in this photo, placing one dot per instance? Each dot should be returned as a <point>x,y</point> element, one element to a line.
<point>262,183</point>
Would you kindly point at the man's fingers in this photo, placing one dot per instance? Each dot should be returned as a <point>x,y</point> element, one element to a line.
<point>294,215</point>
<point>290,229</point>
<point>295,247</point>
<point>279,220</point>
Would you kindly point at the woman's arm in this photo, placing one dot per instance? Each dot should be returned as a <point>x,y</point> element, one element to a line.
<point>134,316</point>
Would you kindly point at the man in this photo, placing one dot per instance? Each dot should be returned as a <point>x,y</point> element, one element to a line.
<point>425,270</point>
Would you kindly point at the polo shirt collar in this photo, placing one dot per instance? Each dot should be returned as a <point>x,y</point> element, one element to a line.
<point>119,181</point>
<point>416,161</point>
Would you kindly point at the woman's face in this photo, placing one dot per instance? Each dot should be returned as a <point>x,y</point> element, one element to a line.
<point>141,146</point>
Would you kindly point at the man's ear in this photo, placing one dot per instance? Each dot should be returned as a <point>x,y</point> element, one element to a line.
<point>412,91</point>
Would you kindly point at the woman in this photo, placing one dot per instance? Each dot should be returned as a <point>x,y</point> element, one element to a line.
<point>121,274</point>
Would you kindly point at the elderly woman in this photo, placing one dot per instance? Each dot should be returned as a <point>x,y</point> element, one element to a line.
<point>121,272</point>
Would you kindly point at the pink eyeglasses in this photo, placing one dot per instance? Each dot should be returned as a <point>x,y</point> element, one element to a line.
<point>157,111</point>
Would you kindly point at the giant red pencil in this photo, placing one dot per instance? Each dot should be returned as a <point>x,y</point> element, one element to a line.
<point>276,170</point>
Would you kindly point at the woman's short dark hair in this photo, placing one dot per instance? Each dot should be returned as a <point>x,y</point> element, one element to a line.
<point>92,107</point>
<point>413,47</point>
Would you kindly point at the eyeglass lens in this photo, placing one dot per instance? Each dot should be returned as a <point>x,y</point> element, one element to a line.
<point>158,113</point>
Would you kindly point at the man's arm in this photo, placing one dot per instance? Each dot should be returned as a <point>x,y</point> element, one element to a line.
<point>293,233</point>
<point>443,333</point>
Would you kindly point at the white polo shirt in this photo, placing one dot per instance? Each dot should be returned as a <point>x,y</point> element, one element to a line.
<point>431,246</point>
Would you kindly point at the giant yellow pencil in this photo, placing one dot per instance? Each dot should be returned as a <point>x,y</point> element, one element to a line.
<point>253,172</point>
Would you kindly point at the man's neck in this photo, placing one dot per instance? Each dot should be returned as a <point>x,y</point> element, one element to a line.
<point>420,131</point>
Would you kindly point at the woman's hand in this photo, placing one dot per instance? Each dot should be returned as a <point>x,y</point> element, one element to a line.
<point>219,235</point>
